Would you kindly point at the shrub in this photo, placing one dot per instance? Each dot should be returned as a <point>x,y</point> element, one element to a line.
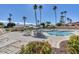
<point>36,48</point>
<point>9,29</point>
<point>9,25</point>
<point>1,25</point>
<point>59,24</point>
<point>73,45</point>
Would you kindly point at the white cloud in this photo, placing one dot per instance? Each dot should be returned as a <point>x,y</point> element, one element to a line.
<point>3,21</point>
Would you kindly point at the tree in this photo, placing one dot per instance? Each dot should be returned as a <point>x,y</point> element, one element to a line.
<point>35,8</point>
<point>59,24</point>
<point>43,25</point>
<point>24,19</point>
<point>9,19</point>
<point>62,13</point>
<point>62,20</point>
<point>55,8</point>
<point>40,8</point>
<point>10,15</point>
<point>65,13</point>
<point>69,20</point>
<point>48,24</point>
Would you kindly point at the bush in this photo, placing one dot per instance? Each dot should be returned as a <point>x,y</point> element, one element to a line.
<point>59,24</point>
<point>9,29</point>
<point>73,44</point>
<point>36,48</point>
<point>1,25</point>
<point>9,25</point>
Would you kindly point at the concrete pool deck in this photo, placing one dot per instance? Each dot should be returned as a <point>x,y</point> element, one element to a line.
<point>10,43</point>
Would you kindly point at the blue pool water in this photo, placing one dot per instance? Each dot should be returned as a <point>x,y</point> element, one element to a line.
<point>59,33</point>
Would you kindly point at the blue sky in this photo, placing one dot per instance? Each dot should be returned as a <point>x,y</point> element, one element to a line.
<point>19,10</point>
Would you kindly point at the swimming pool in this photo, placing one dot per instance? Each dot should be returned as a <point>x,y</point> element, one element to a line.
<point>60,33</point>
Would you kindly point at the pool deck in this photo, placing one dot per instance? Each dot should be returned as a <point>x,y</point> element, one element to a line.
<point>10,43</point>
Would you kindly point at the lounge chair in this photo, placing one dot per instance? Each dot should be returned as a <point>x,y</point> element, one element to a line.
<point>39,34</point>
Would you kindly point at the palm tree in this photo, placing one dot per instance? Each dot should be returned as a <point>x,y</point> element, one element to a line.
<point>70,20</point>
<point>55,8</point>
<point>63,16</point>
<point>62,13</point>
<point>40,8</point>
<point>9,19</point>
<point>43,25</point>
<point>24,19</point>
<point>65,13</point>
<point>62,20</point>
<point>10,15</point>
<point>48,23</point>
<point>35,8</point>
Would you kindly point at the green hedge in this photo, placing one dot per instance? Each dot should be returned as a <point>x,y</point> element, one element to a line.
<point>36,48</point>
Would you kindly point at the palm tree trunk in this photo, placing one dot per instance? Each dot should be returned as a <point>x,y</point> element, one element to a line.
<point>55,17</point>
<point>65,18</point>
<point>36,18</point>
<point>55,20</point>
<point>40,16</point>
<point>9,21</point>
<point>24,23</point>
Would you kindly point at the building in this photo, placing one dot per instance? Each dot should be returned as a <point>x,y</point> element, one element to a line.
<point>73,25</point>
